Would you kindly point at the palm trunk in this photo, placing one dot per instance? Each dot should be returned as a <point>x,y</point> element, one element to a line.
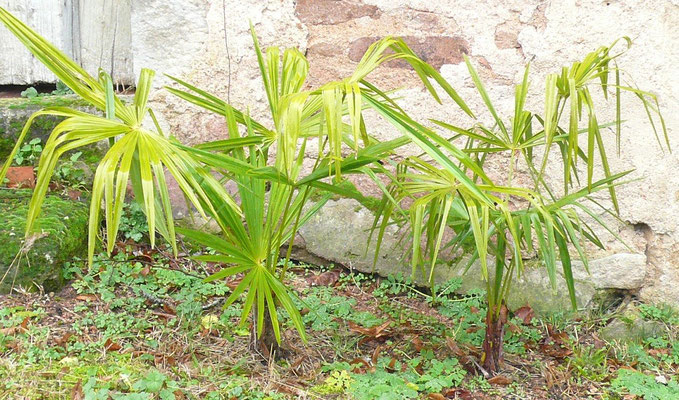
<point>492,357</point>
<point>265,345</point>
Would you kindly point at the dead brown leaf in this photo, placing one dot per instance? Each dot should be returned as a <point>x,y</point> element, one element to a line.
<point>525,314</point>
<point>499,380</point>
<point>86,297</point>
<point>77,391</point>
<point>110,345</point>
<point>376,332</point>
<point>436,396</point>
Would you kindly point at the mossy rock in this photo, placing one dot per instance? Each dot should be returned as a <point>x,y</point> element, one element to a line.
<point>15,112</point>
<point>61,235</point>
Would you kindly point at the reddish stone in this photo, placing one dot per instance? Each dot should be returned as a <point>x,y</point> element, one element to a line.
<point>20,177</point>
<point>435,50</point>
<point>331,12</point>
<point>506,39</point>
<point>324,49</point>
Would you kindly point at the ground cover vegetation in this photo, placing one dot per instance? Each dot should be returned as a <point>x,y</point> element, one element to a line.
<point>131,307</point>
<point>145,325</point>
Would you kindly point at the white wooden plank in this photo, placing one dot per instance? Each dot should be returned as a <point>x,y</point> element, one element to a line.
<point>104,38</point>
<point>95,33</point>
<point>17,65</point>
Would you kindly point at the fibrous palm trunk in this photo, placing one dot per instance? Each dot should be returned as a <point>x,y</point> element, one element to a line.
<point>265,344</point>
<point>492,356</point>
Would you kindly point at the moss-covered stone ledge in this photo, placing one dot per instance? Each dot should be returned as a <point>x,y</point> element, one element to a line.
<point>14,112</point>
<point>61,235</point>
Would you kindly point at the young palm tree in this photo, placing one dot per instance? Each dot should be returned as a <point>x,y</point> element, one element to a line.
<point>449,188</point>
<point>266,164</point>
<point>136,153</point>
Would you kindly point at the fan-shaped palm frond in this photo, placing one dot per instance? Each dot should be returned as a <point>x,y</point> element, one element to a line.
<point>272,158</point>
<point>136,153</point>
<point>449,189</point>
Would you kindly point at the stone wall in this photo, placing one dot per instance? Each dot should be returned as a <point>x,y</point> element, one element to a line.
<point>207,42</point>
<point>189,38</point>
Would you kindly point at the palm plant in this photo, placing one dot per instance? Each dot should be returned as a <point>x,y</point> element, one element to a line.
<point>136,153</point>
<point>266,164</point>
<point>450,190</point>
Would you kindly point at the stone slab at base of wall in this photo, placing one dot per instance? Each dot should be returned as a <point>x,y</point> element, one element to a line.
<point>14,112</point>
<point>320,241</point>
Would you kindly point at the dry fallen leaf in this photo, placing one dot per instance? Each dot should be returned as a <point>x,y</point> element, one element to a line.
<point>86,297</point>
<point>327,279</point>
<point>77,391</point>
<point>376,332</point>
<point>499,380</point>
<point>525,314</point>
<point>111,345</point>
<point>436,396</point>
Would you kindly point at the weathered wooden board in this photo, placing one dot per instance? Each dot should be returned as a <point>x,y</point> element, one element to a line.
<point>95,33</point>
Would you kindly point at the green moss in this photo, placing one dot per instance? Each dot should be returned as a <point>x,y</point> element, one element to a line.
<point>61,235</point>
<point>91,155</point>
<point>6,145</point>
<point>371,203</point>
<point>42,102</point>
<point>12,122</point>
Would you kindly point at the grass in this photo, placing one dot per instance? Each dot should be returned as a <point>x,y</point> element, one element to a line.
<point>142,325</point>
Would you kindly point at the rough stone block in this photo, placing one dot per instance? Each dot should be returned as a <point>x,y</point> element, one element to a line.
<point>14,112</point>
<point>331,12</point>
<point>435,50</point>
<point>321,241</point>
<point>61,234</point>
